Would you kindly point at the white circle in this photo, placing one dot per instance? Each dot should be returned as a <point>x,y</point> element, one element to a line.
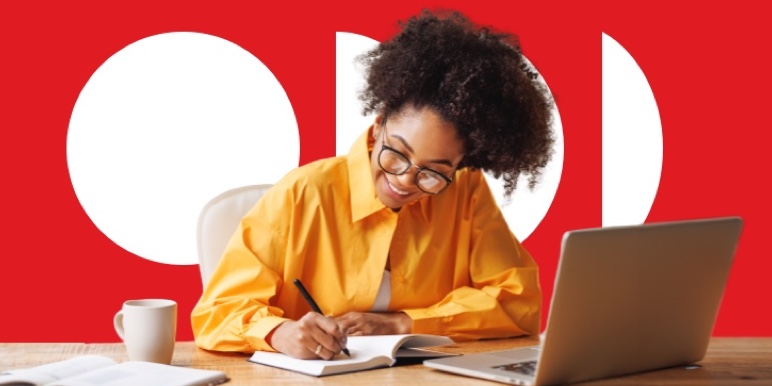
<point>349,81</point>
<point>526,208</point>
<point>166,124</point>
<point>632,139</point>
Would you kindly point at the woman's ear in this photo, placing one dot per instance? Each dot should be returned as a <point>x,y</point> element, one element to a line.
<point>377,125</point>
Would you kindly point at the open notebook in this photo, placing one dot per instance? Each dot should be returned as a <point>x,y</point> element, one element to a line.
<point>98,370</point>
<point>626,299</point>
<point>367,352</point>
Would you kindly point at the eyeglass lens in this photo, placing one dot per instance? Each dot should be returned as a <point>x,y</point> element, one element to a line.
<point>427,180</point>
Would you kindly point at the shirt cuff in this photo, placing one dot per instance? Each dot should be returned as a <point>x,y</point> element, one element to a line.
<point>428,322</point>
<point>256,334</point>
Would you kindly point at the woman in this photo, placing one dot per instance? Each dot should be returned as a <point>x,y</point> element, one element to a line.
<point>402,235</point>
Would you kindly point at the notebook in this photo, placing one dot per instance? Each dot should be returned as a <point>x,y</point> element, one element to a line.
<point>98,370</point>
<point>367,352</point>
<point>627,299</point>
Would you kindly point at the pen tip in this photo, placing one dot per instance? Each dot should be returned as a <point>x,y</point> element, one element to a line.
<point>345,351</point>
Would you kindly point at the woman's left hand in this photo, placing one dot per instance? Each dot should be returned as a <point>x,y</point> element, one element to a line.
<point>375,323</point>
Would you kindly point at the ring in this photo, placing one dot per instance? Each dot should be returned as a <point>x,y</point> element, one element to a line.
<point>318,349</point>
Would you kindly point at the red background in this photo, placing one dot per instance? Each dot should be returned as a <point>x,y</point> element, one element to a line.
<point>61,279</point>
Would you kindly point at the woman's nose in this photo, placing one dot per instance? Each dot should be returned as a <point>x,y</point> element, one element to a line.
<point>407,179</point>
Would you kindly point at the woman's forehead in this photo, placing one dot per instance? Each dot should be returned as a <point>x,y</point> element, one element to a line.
<point>425,133</point>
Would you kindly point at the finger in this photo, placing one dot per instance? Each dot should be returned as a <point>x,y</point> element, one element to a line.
<point>343,342</point>
<point>345,324</point>
<point>355,327</point>
<point>312,320</point>
<point>294,338</point>
<point>344,317</point>
<point>329,325</point>
<point>325,331</point>
<point>350,322</point>
<point>329,343</point>
<point>343,339</point>
<point>323,352</point>
<point>332,328</point>
<point>343,327</point>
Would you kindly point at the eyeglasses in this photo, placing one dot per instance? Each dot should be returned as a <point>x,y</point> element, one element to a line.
<point>393,162</point>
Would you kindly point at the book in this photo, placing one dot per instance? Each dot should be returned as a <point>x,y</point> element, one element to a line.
<point>93,370</point>
<point>367,352</point>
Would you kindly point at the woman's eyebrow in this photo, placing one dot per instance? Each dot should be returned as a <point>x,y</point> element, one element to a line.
<point>410,149</point>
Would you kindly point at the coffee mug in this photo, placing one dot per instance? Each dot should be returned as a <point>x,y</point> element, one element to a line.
<point>148,328</point>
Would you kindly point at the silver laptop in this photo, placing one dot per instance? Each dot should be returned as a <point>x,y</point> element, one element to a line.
<point>627,299</point>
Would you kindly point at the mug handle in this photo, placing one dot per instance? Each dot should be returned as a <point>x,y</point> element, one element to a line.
<point>118,323</point>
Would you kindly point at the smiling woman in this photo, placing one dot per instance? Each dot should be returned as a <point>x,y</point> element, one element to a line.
<point>524,210</point>
<point>402,234</point>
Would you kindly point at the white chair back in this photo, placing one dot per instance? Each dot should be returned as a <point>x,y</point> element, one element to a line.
<point>218,220</point>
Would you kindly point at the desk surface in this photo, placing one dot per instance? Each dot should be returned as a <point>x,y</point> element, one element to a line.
<point>729,361</point>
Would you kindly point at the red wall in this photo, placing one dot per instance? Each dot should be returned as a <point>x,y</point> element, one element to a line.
<point>62,280</point>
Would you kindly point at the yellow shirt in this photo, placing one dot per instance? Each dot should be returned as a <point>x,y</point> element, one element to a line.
<point>456,268</point>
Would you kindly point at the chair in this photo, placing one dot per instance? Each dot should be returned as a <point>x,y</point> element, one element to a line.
<point>218,220</point>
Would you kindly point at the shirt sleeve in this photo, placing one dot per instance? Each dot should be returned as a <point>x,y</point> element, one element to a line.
<point>234,311</point>
<point>503,298</point>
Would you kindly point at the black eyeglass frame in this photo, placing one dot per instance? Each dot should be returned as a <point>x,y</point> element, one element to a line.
<point>384,146</point>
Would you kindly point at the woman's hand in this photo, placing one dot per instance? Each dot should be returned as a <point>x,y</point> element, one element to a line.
<point>313,336</point>
<point>375,323</point>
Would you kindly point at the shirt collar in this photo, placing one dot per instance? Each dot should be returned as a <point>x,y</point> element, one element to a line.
<point>364,202</point>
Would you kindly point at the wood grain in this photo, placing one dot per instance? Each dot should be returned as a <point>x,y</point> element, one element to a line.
<point>729,361</point>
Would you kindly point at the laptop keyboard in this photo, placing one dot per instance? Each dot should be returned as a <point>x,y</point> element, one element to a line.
<point>525,368</point>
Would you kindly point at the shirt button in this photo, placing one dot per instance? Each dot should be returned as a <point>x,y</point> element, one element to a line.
<point>447,319</point>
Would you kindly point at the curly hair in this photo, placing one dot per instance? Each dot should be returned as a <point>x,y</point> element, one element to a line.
<point>475,79</point>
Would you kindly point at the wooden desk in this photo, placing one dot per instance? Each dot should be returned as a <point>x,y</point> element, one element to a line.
<point>729,361</point>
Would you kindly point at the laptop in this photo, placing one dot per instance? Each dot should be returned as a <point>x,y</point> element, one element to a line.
<point>627,299</point>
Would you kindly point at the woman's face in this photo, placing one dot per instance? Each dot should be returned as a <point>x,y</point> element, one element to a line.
<point>426,141</point>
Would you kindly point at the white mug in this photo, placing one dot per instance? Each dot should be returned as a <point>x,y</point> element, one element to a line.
<point>148,328</point>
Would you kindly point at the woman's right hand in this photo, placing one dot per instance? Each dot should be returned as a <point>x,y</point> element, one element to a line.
<point>313,336</point>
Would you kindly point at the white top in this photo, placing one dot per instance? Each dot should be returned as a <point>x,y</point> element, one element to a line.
<point>384,293</point>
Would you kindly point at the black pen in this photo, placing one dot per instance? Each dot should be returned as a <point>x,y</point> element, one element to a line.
<point>313,304</point>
